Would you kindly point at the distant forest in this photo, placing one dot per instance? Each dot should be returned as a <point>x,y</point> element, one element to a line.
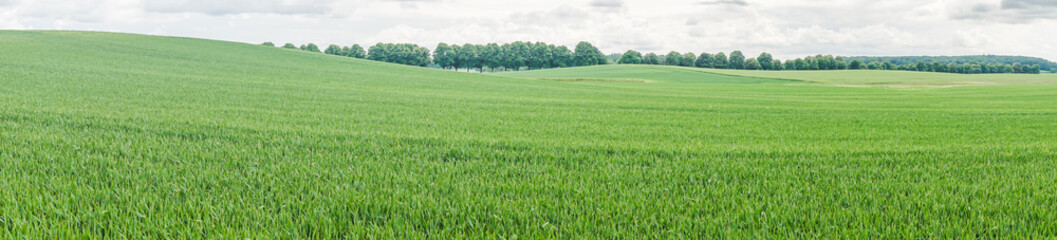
<point>518,55</point>
<point>980,59</point>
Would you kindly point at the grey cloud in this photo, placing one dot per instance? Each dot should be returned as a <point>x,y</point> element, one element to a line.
<point>1028,4</point>
<point>982,8</point>
<point>212,7</point>
<point>608,4</point>
<point>724,2</point>
<point>1009,11</point>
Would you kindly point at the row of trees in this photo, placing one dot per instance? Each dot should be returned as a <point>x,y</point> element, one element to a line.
<point>517,55</point>
<point>964,68</point>
<point>510,56</point>
<point>350,51</point>
<point>311,47</point>
<point>820,62</point>
<point>514,56</point>
<point>402,53</point>
<point>720,60</point>
<point>354,51</point>
<point>765,61</point>
<point>959,60</point>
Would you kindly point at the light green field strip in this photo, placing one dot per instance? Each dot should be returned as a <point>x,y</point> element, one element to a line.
<point>897,78</point>
<point>854,78</point>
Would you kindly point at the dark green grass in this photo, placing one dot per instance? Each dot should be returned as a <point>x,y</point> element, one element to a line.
<point>128,136</point>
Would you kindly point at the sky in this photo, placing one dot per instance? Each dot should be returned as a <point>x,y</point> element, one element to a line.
<point>785,28</point>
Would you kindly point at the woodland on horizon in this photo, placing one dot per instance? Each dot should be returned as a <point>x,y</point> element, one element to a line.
<point>520,55</point>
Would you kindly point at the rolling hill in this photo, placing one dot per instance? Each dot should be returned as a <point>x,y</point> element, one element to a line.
<point>106,135</point>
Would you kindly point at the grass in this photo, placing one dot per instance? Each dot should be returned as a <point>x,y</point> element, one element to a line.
<point>126,136</point>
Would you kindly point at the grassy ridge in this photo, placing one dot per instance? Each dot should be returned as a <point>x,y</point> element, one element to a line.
<point>114,135</point>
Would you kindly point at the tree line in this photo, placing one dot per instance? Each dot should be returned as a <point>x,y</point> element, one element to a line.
<point>527,55</point>
<point>765,61</point>
<point>964,68</point>
<point>355,51</point>
<point>736,60</point>
<point>493,56</point>
<point>515,56</point>
<point>959,60</point>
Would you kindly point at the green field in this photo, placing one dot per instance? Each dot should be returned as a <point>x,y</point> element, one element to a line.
<point>897,78</point>
<point>126,136</point>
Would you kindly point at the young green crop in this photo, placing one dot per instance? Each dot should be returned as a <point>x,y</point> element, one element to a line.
<point>128,136</point>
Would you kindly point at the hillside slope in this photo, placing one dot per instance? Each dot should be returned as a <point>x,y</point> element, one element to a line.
<point>107,135</point>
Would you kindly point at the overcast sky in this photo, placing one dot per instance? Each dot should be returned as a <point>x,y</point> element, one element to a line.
<point>786,28</point>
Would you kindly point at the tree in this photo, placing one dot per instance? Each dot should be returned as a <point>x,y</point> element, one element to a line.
<point>537,56</point>
<point>311,47</point>
<point>721,61</point>
<point>889,66</point>
<point>290,46</point>
<point>631,57</point>
<point>802,64</point>
<point>825,62</point>
<point>673,58</point>
<point>766,61</point>
<point>855,64</point>
<point>333,49</point>
<point>357,51</point>
<point>688,60</point>
<point>456,62</point>
<point>790,65</point>
<point>404,53</point>
<point>939,67</point>
<point>513,56</point>
<point>270,44</point>
<point>704,60</point>
<point>379,52</point>
<point>875,66</point>
<point>491,54</point>
<point>812,63</point>
<point>562,57</point>
<point>777,65</point>
<point>841,64</point>
<point>587,55</point>
<point>737,60</point>
<point>467,57</point>
<point>752,64</point>
<point>443,56</point>
<point>651,58</point>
